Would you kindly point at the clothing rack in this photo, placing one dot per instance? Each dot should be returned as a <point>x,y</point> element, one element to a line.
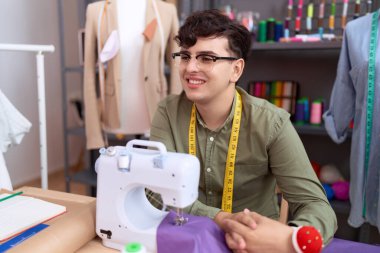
<point>39,49</point>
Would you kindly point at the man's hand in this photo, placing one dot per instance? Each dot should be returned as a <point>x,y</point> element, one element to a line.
<point>235,239</point>
<point>268,235</point>
<point>221,216</point>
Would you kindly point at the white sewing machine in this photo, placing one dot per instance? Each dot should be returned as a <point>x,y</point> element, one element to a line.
<point>123,212</point>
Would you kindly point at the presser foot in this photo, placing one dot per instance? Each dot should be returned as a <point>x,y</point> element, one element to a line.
<point>179,220</point>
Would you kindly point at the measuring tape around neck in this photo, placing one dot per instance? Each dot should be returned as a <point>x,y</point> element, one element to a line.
<point>228,185</point>
<point>370,101</point>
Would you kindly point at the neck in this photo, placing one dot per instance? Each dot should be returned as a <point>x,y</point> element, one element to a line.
<point>215,113</point>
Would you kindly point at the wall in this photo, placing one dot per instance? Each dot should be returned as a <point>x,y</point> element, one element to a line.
<point>33,22</point>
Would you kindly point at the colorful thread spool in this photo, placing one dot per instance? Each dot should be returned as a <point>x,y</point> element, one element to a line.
<point>258,88</point>
<point>306,109</point>
<point>286,104</point>
<point>278,31</point>
<point>316,112</point>
<point>300,112</point>
<point>262,31</point>
<point>286,28</point>
<point>271,23</point>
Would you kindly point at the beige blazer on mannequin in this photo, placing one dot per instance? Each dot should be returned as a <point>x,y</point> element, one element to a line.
<point>104,110</point>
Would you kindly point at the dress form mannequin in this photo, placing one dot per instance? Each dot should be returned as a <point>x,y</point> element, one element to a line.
<point>134,117</point>
<point>349,100</point>
<point>131,38</point>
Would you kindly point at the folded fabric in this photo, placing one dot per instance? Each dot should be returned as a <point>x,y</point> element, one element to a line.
<point>199,235</point>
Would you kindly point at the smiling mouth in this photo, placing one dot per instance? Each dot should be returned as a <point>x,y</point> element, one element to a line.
<point>195,82</point>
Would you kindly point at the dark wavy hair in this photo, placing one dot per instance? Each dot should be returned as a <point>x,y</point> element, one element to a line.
<point>213,23</point>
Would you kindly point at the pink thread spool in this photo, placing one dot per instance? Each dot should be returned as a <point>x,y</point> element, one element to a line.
<point>316,112</point>
<point>258,88</point>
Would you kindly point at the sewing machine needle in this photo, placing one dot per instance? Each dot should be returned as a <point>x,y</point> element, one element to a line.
<point>179,219</point>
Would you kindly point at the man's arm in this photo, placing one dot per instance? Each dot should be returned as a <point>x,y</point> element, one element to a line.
<point>298,182</point>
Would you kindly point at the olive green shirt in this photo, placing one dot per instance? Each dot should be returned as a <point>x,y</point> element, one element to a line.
<point>269,151</point>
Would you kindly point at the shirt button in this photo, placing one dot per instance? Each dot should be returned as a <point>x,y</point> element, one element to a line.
<point>208,169</point>
<point>211,138</point>
<point>210,193</point>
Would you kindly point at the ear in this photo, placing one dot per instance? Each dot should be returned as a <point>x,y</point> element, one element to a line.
<point>237,71</point>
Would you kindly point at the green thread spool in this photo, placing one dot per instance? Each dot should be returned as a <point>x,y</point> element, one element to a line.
<point>262,31</point>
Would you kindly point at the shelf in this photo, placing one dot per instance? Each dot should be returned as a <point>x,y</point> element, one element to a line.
<point>310,129</point>
<point>315,130</point>
<point>87,177</point>
<point>323,45</point>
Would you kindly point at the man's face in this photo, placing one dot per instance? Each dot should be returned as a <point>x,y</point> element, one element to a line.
<point>205,81</point>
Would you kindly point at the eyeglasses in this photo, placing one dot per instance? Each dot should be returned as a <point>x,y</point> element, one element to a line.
<point>204,62</point>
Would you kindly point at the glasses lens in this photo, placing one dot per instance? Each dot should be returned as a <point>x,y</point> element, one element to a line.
<point>181,60</point>
<point>203,62</point>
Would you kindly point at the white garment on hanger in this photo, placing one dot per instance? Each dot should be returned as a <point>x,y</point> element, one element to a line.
<point>134,115</point>
<point>13,126</point>
<point>5,180</point>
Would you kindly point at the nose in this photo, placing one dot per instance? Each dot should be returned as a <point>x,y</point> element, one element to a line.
<point>192,65</point>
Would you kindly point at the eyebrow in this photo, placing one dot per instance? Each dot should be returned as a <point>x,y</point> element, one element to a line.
<point>200,52</point>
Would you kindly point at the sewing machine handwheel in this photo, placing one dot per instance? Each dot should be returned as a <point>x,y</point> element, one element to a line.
<point>149,144</point>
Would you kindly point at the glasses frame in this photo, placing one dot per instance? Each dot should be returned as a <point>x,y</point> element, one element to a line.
<point>213,57</point>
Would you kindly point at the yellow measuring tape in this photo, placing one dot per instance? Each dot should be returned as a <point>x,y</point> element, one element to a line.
<point>228,185</point>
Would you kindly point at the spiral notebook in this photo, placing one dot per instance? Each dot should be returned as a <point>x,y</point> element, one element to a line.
<point>19,213</point>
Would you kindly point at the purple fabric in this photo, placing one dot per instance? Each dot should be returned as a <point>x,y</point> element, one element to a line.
<point>199,235</point>
<point>339,245</point>
<point>202,235</point>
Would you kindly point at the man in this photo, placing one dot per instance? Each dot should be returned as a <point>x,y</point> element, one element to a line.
<point>245,145</point>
